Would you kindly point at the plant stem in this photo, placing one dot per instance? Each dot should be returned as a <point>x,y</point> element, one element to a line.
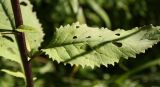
<point>20,37</point>
<point>137,69</point>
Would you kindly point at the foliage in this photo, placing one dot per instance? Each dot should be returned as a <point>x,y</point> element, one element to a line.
<point>86,46</point>
<point>82,45</point>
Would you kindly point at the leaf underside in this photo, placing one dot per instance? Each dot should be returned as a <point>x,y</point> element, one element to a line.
<point>87,46</point>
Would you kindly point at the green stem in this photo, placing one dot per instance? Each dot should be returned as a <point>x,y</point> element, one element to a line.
<point>120,80</point>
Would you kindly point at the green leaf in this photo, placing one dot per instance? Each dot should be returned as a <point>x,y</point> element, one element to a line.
<point>74,5</point>
<point>87,46</point>
<point>9,48</point>
<point>100,12</point>
<point>30,19</point>
<point>8,44</point>
<point>4,80</point>
<point>16,74</point>
<point>80,16</point>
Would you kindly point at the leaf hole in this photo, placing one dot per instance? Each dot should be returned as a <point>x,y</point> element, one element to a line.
<point>118,44</point>
<point>77,26</point>
<point>75,37</point>
<point>118,34</point>
<point>100,36</point>
<point>88,37</point>
<point>23,3</point>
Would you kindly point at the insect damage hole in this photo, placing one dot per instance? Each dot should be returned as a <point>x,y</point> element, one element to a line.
<point>118,44</point>
<point>75,37</point>
<point>77,26</point>
<point>117,34</point>
<point>100,36</point>
<point>23,3</point>
<point>88,37</point>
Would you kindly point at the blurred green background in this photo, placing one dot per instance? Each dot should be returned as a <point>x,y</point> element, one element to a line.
<point>143,71</point>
